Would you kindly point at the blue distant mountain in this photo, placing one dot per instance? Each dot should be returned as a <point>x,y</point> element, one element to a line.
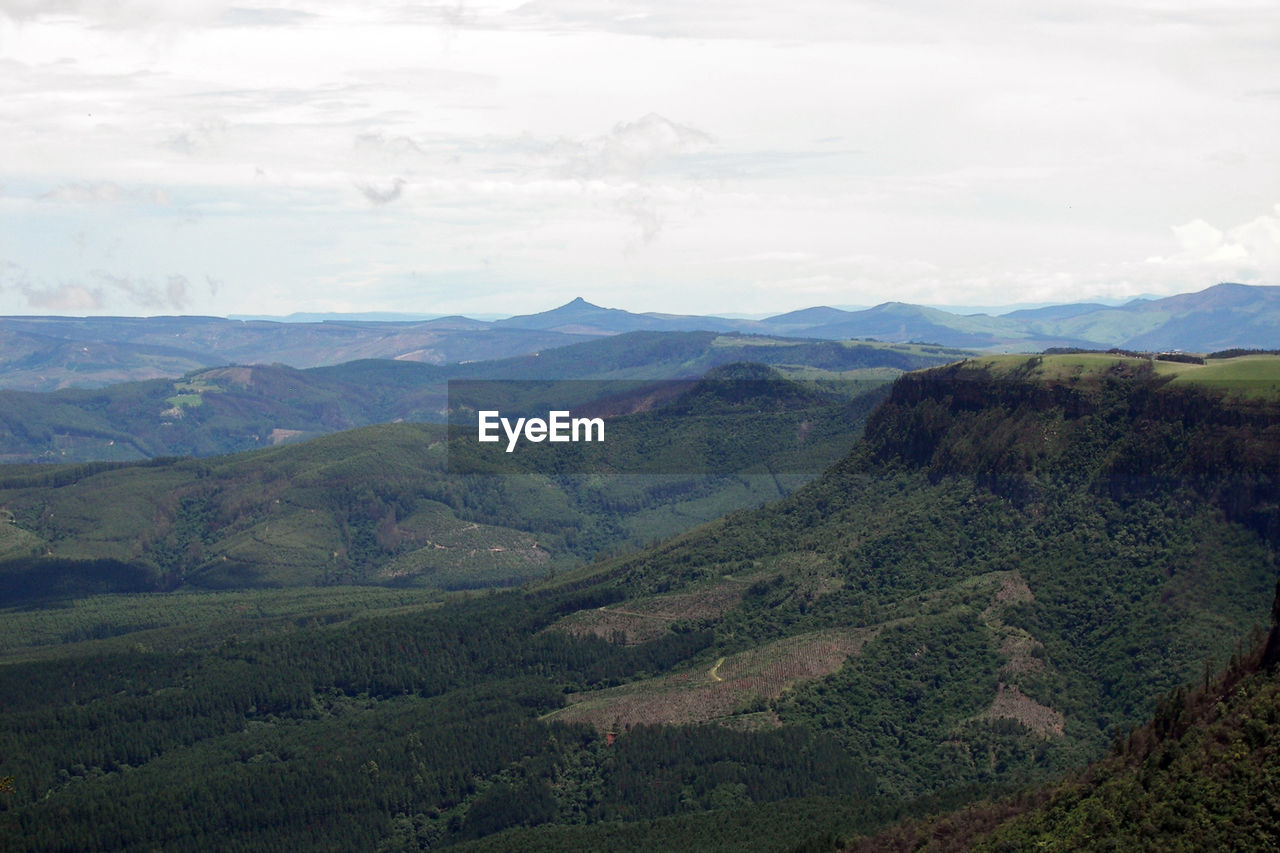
<point>1222,316</point>
<point>43,353</point>
<point>580,317</point>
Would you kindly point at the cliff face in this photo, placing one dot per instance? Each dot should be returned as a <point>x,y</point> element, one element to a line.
<point>1155,461</point>
<point>1127,434</point>
<point>1034,560</point>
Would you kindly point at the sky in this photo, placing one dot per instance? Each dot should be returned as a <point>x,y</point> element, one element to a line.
<point>756,156</point>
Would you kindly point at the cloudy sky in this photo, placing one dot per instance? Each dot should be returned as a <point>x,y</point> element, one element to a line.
<point>200,156</point>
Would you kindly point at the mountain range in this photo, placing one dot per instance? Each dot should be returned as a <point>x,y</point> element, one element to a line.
<point>45,353</point>
<point>1220,317</point>
<point>226,409</point>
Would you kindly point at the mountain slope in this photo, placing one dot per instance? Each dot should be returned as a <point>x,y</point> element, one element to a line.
<point>394,504</point>
<point>1083,543</point>
<point>1018,558</point>
<point>581,317</point>
<point>1198,776</point>
<point>229,409</point>
<point>1217,318</point>
<point>47,353</point>
<point>1220,317</point>
<point>898,321</point>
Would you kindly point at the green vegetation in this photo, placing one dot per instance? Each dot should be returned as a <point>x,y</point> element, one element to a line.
<point>1124,523</point>
<point>388,504</point>
<point>1199,776</point>
<point>1239,374</point>
<point>429,715</point>
<point>988,590</point>
<point>228,409</point>
<point>181,620</point>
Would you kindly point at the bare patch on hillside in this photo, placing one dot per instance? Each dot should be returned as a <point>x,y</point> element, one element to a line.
<point>1019,648</point>
<point>279,436</point>
<point>515,556</point>
<point>729,690</point>
<point>1013,590</point>
<point>1012,704</point>
<point>645,619</point>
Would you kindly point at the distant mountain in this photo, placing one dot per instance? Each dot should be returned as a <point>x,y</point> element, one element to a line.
<point>1220,317</point>
<point>333,316</point>
<point>45,353</point>
<point>227,409</point>
<point>580,317</point>
<point>807,318</point>
<point>1224,316</point>
<point>1055,312</point>
<point>900,321</point>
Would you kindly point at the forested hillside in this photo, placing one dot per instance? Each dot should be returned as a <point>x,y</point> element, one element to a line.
<point>1019,557</point>
<point>227,409</point>
<point>382,505</point>
<point>1199,776</point>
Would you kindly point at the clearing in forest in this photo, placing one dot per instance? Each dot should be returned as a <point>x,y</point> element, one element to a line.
<point>736,685</point>
<point>643,619</point>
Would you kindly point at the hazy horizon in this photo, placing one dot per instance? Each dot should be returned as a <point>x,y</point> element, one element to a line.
<point>488,317</point>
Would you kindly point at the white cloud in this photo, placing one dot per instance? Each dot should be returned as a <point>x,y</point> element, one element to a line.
<point>105,192</point>
<point>200,137</point>
<point>63,297</point>
<point>272,16</point>
<point>170,294</point>
<point>105,291</point>
<point>116,13</point>
<point>67,297</point>
<point>1260,239</point>
<point>1253,245</point>
<point>380,195</point>
<point>632,149</point>
<point>642,210</point>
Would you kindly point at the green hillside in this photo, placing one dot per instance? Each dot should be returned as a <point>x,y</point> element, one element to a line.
<point>1199,776</point>
<point>1000,578</point>
<point>381,504</point>
<point>1235,375</point>
<point>1079,549</point>
<point>228,409</point>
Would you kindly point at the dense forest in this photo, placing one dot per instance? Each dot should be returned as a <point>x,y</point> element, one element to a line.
<point>991,589</point>
<point>1200,775</point>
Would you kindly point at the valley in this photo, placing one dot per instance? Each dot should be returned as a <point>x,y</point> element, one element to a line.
<point>574,426</point>
<point>1017,557</point>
